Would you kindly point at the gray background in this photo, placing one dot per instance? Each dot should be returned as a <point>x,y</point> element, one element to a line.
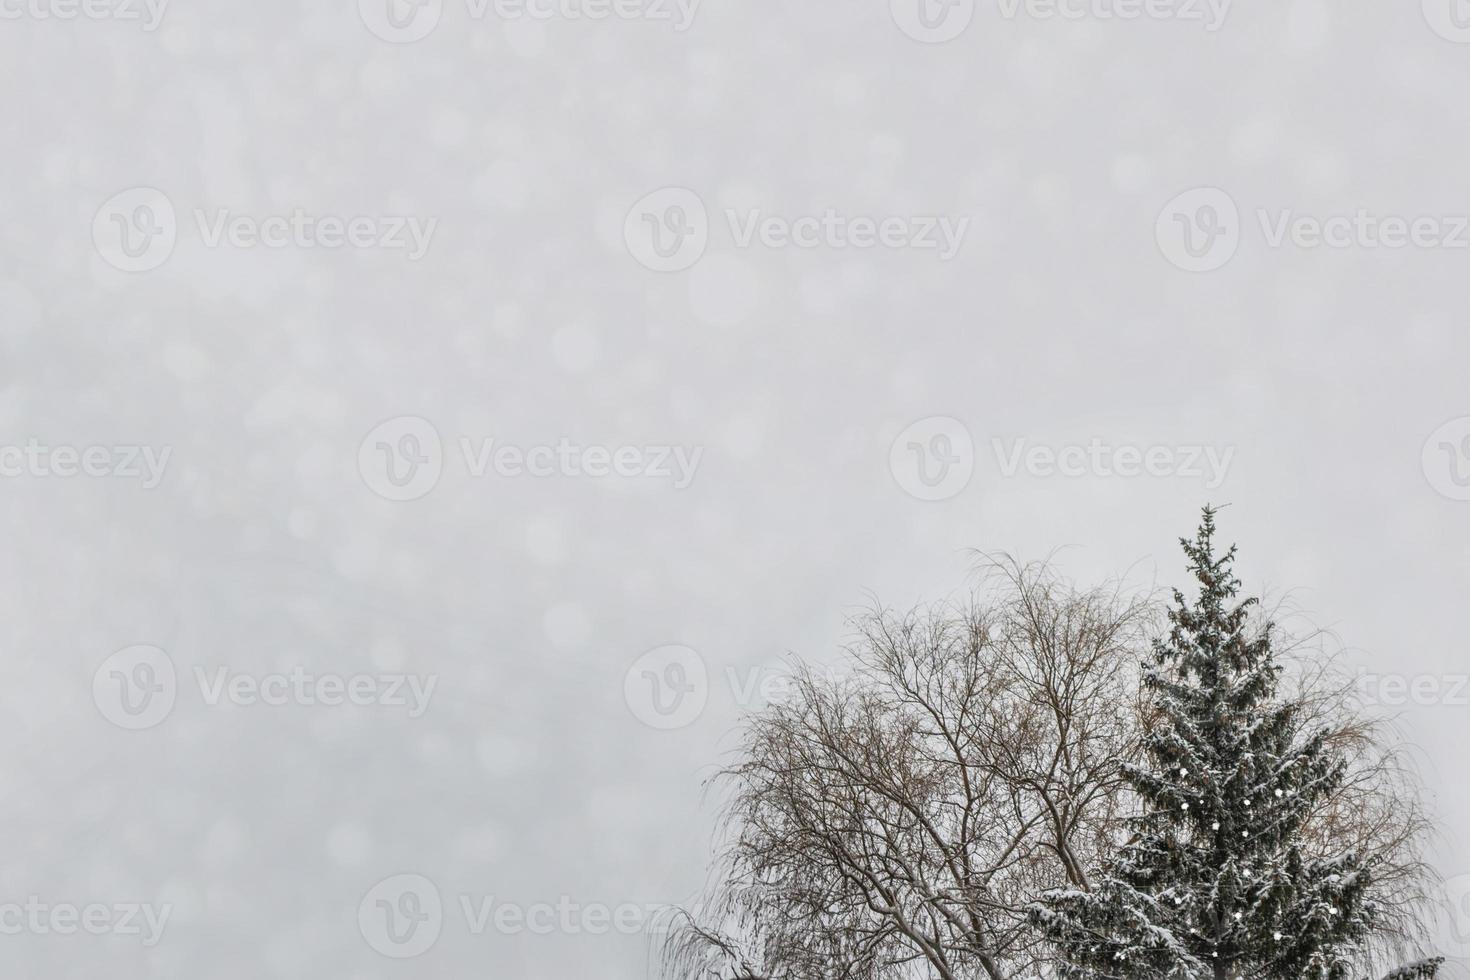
<point>532,775</point>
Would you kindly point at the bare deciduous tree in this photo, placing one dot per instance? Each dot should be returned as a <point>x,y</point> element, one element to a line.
<point>896,824</point>
<point>1378,811</point>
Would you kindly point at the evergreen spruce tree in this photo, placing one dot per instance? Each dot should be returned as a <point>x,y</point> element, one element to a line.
<point>1213,884</point>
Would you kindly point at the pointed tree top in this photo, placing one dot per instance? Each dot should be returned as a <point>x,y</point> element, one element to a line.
<point>1213,573</point>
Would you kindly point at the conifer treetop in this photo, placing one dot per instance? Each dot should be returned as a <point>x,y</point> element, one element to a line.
<point>1214,881</point>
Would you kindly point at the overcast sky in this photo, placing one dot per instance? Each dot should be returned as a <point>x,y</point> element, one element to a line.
<point>425,428</point>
